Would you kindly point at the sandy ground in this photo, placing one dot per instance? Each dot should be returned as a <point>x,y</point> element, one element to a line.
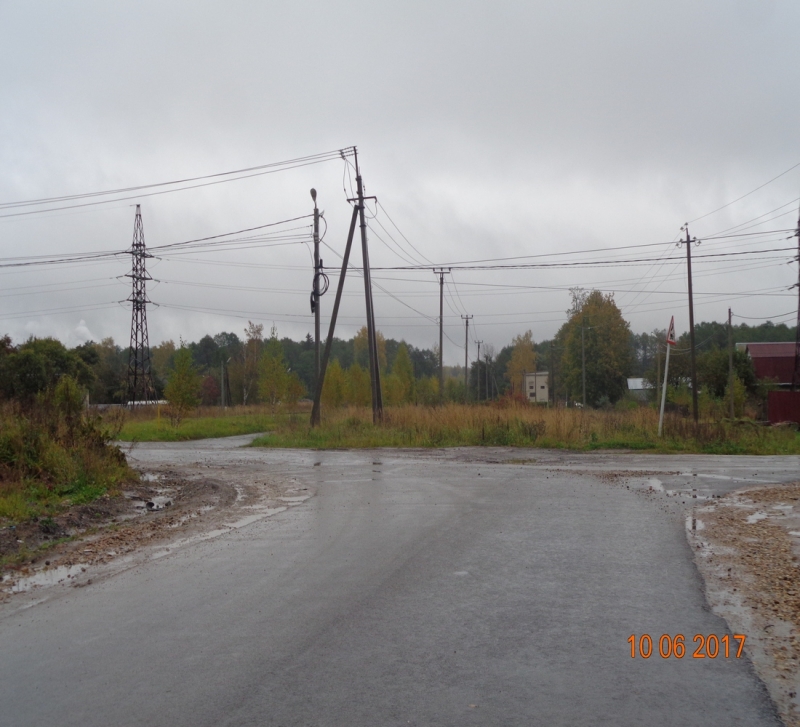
<point>746,547</point>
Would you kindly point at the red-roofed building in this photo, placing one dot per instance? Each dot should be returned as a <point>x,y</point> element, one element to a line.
<point>773,361</point>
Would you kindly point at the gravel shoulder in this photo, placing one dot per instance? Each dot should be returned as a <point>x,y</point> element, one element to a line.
<point>746,548</point>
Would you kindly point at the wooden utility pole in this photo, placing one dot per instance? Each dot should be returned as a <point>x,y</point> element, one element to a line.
<point>478,374</point>
<point>730,363</point>
<point>315,294</point>
<point>466,358</point>
<point>374,362</point>
<point>688,243</point>
<point>441,273</point>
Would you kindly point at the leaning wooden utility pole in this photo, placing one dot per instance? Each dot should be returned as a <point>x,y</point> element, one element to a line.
<point>374,364</point>
<point>466,358</point>
<point>315,410</point>
<point>688,243</point>
<point>441,273</point>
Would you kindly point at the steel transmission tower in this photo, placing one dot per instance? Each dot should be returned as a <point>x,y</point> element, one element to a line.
<point>140,378</point>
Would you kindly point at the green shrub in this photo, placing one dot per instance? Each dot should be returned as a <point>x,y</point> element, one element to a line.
<point>53,454</point>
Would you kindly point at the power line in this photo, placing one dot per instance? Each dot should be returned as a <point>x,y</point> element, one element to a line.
<point>402,235</point>
<point>588,263</point>
<point>765,318</point>
<point>173,248</point>
<point>218,178</point>
<point>739,199</point>
<point>758,217</point>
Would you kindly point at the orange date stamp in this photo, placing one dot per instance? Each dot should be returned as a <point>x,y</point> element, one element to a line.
<point>706,647</point>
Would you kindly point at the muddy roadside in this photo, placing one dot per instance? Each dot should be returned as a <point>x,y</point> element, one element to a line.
<point>170,506</point>
<point>747,548</point>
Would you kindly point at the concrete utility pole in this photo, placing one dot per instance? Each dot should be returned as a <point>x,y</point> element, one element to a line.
<point>223,397</point>
<point>688,243</point>
<point>478,373</point>
<point>466,358</point>
<point>488,393</point>
<point>315,295</point>
<point>669,343</point>
<point>441,273</point>
<point>583,364</point>
<point>796,374</point>
<point>730,362</point>
<point>658,372</point>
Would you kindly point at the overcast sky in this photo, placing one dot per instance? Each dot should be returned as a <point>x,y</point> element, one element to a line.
<point>486,130</point>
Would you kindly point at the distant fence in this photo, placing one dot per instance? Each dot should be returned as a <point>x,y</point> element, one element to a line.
<point>784,406</point>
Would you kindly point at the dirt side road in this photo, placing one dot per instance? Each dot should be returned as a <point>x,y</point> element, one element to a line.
<point>184,496</point>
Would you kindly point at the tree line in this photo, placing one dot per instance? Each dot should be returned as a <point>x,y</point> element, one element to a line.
<point>253,368</point>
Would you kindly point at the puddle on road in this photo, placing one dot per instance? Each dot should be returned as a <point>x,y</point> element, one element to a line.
<point>48,577</point>
<point>755,517</point>
<point>299,498</point>
<point>158,503</point>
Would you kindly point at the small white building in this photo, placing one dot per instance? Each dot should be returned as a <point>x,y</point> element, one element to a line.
<point>639,388</point>
<point>537,387</point>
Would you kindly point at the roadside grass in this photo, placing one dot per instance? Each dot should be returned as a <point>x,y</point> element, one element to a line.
<point>459,425</point>
<point>150,425</point>
<point>455,425</point>
<point>50,462</point>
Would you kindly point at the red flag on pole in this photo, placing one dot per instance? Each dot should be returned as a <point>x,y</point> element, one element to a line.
<point>671,332</point>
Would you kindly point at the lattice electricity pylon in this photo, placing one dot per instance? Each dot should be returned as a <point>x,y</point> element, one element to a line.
<point>140,377</point>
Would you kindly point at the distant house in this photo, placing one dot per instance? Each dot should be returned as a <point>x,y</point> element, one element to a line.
<point>775,361</point>
<point>537,387</point>
<point>639,389</point>
<point>772,360</point>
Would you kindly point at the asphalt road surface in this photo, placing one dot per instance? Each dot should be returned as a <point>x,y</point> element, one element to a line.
<point>412,589</point>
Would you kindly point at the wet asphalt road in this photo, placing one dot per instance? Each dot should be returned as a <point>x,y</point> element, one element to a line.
<point>411,590</point>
